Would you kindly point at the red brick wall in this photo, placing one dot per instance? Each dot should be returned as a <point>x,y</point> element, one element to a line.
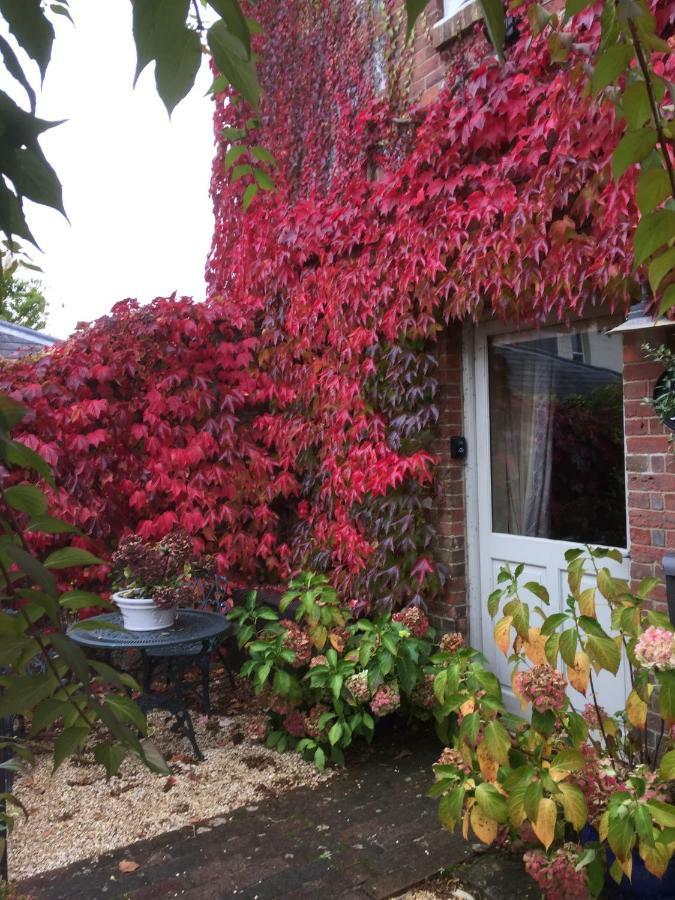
<point>450,612</point>
<point>650,465</point>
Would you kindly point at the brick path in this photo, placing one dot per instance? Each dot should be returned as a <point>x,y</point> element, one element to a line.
<point>370,833</point>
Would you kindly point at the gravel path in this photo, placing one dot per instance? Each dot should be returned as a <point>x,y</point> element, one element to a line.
<point>75,814</point>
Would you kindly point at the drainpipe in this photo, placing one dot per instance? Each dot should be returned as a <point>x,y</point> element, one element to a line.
<point>669,571</point>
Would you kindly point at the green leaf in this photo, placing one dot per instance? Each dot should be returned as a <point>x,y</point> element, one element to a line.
<point>574,804</point>
<point>572,7</point>
<point>498,742</point>
<point>263,179</point>
<point>233,154</point>
<point>51,525</point>
<point>249,194</point>
<point>319,759</point>
<point>111,756</point>
<point>178,61</point>
<point>67,557</point>
<point>493,602</point>
<point>450,808</point>
<point>230,12</point>
<point>72,655</point>
<point>635,102</point>
<point>413,9</point>
<point>538,590</point>
<point>653,187</point>
<point>68,742</point>
<point>653,231</point>
<point>263,155</point>
<point>27,498</point>
<point>34,178</point>
<point>13,66</point>
<point>667,695</point>
<point>604,651</point>
<point>468,730</point>
<point>128,711</point>
<point>31,28</point>
<point>531,800</point>
<point>335,733</point>
<point>552,622</point>
<point>46,713</point>
<point>609,65</point>
<point>660,267</point>
<point>568,645</point>
<point>551,649</point>
<point>26,691</point>
<point>568,761</point>
<point>668,300</point>
<point>667,767</point>
<point>663,813</point>
<point>491,802</point>
<point>232,60</point>
<point>120,680</point>
<point>153,758</point>
<point>493,13</point>
<point>18,454</point>
<point>644,825</point>
<point>633,147</point>
<point>33,568</point>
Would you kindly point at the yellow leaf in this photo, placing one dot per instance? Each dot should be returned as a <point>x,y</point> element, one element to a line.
<point>503,633</point>
<point>656,858</point>
<point>603,826</point>
<point>547,816</point>
<point>534,648</point>
<point>574,805</point>
<point>487,764</point>
<point>468,707</point>
<point>579,676</point>
<point>319,635</point>
<point>465,826</point>
<point>627,865</point>
<point>587,602</point>
<point>485,829</point>
<point>636,710</point>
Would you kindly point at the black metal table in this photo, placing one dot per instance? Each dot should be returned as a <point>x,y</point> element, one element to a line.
<point>195,630</point>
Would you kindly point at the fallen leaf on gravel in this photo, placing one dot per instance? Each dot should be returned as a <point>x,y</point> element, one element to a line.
<point>128,865</point>
<point>169,783</point>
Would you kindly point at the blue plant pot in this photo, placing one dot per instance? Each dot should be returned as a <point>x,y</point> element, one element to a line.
<point>643,885</point>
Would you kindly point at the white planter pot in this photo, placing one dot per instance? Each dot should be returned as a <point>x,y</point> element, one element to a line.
<point>141,613</point>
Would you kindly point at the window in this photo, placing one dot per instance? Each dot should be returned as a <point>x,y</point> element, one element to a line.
<point>556,436</point>
<point>452,7</point>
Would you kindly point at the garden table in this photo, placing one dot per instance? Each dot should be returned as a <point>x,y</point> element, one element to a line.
<point>195,631</point>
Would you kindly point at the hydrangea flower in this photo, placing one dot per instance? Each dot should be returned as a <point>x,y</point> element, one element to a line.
<point>312,718</point>
<point>294,723</point>
<point>544,687</point>
<point>357,685</point>
<point>451,643</point>
<point>318,661</point>
<point>387,700</point>
<point>414,620</point>
<point>591,717</point>
<point>297,640</point>
<point>423,694</point>
<point>450,757</point>
<point>598,781</point>
<point>556,875</point>
<point>655,649</point>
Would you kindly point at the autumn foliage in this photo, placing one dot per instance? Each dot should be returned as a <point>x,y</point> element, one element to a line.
<point>288,419</point>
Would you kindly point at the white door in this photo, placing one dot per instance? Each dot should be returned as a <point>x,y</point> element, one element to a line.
<point>549,467</point>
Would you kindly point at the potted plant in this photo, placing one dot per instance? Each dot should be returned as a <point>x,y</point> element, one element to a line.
<point>586,792</point>
<point>154,580</point>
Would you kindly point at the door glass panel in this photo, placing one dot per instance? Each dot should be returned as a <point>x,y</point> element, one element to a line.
<point>556,434</point>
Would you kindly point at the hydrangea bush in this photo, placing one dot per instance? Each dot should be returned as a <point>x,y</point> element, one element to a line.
<point>325,676</point>
<point>568,778</point>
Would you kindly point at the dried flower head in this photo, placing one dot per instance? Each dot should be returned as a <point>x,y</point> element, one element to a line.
<point>414,620</point>
<point>544,687</point>
<point>386,700</point>
<point>452,642</point>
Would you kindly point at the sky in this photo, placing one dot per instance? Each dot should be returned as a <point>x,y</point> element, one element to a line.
<point>135,183</point>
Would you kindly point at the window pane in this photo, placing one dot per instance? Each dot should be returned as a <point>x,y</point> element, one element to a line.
<point>556,432</point>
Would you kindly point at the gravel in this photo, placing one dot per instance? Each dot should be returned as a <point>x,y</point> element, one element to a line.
<point>76,814</point>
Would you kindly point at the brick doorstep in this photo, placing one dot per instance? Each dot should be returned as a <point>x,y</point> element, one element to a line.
<point>371,833</point>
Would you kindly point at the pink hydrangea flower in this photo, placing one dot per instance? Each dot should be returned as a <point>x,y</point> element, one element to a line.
<point>255,728</point>
<point>312,718</point>
<point>387,700</point>
<point>414,620</point>
<point>450,757</point>
<point>591,718</point>
<point>544,687</point>
<point>294,723</point>
<point>556,875</point>
<point>451,643</point>
<point>655,649</point>
<point>423,694</point>
<point>299,642</point>
<point>317,661</point>
<point>357,685</point>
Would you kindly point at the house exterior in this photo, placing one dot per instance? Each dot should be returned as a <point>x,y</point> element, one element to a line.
<point>465,208</point>
<point>522,492</point>
<point>17,340</point>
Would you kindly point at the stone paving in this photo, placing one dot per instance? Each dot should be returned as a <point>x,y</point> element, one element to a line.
<point>369,833</point>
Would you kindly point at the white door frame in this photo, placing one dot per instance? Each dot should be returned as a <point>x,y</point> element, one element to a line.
<point>474,341</point>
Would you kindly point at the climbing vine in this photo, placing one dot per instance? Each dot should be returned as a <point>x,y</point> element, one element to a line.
<point>287,420</point>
